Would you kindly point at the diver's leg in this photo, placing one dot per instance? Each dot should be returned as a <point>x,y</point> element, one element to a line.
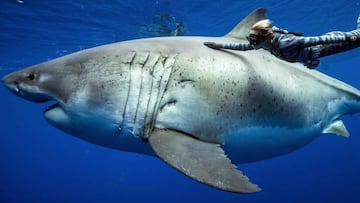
<point>330,49</point>
<point>352,37</point>
<point>314,53</point>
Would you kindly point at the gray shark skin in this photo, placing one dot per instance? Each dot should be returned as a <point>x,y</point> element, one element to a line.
<point>200,110</point>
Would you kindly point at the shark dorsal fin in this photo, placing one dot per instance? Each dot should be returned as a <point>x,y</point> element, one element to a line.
<point>241,30</point>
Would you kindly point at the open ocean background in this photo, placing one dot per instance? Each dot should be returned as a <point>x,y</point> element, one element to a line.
<point>39,163</point>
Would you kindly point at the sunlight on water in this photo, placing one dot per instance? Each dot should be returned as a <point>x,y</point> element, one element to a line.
<point>163,24</point>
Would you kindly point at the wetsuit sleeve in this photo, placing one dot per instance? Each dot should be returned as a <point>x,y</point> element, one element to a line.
<point>237,46</point>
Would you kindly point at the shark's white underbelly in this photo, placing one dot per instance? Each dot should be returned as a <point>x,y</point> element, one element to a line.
<point>257,143</point>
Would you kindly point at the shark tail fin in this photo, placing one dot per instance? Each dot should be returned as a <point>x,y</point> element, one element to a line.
<point>241,30</point>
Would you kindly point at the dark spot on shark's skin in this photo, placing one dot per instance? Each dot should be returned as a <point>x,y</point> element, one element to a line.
<point>31,76</point>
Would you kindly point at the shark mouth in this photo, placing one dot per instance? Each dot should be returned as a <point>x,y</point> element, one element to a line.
<point>52,106</point>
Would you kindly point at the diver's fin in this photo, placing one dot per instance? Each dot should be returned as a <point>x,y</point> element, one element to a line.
<point>241,30</point>
<point>337,127</point>
<point>202,161</point>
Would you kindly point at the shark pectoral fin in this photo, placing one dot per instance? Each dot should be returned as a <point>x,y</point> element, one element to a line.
<point>202,161</point>
<point>337,127</point>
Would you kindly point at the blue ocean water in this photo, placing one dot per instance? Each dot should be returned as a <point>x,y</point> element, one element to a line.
<point>39,163</point>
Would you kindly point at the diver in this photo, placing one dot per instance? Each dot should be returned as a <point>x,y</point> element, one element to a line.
<point>292,46</point>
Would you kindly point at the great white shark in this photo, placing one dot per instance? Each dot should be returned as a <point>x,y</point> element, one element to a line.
<point>200,110</point>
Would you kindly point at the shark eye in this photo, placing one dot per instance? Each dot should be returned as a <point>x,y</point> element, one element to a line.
<point>31,76</point>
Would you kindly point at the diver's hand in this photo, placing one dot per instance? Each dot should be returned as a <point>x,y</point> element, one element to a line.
<point>213,45</point>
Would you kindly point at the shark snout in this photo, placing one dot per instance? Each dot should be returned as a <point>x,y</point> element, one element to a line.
<point>11,83</point>
<point>25,86</point>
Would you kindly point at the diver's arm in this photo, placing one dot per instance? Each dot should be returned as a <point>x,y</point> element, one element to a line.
<point>233,46</point>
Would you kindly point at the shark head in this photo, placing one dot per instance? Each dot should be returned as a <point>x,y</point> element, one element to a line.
<point>43,83</point>
<point>84,99</point>
<point>57,82</point>
<point>28,84</point>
